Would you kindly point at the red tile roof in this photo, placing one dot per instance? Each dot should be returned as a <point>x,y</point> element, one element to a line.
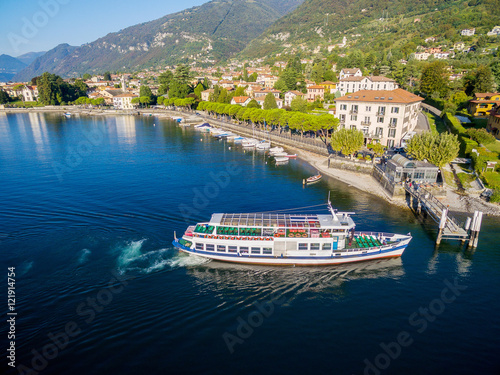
<point>382,96</point>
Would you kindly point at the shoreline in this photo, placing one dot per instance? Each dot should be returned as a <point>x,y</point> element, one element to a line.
<point>460,204</point>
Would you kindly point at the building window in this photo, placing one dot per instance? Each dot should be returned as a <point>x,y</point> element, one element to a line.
<point>379,131</point>
<point>343,107</point>
<point>380,119</point>
<point>367,120</point>
<point>302,246</point>
<point>392,133</point>
<point>354,117</point>
<point>368,108</point>
<point>395,110</point>
<point>393,122</point>
<point>353,127</point>
<point>342,117</point>
<point>199,246</point>
<point>390,143</point>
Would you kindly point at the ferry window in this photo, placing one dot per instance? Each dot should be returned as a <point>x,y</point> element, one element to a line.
<point>335,238</point>
<point>243,249</point>
<point>210,247</point>
<point>199,246</point>
<point>302,246</point>
<point>232,249</point>
<point>221,248</point>
<point>327,246</point>
<point>267,250</point>
<point>255,250</point>
<point>315,246</point>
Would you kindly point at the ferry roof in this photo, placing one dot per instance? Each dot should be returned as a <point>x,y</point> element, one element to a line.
<point>280,220</point>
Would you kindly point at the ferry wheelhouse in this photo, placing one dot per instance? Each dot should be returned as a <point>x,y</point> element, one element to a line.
<point>288,239</point>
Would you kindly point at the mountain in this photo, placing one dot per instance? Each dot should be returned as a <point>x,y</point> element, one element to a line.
<point>9,66</point>
<point>211,32</point>
<point>29,57</point>
<point>375,25</point>
<point>50,61</point>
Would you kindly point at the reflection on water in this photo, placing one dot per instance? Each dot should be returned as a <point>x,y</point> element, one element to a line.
<point>461,255</point>
<point>126,129</point>
<point>291,281</point>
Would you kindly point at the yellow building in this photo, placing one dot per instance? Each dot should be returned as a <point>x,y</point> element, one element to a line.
<point>493,125</point>
<point>483,103</point>
<point>329,86</point>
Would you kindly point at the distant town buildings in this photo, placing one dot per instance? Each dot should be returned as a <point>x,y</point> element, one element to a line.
<point>468,32</point>
<point>354,72</point>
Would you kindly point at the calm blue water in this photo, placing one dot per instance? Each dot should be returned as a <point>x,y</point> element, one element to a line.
<point>88,211</point>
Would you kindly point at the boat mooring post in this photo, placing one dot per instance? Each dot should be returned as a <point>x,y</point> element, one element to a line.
<point>472,226</point>
<point>478,228</point>
<point>442,225</point>
<point>466,227</point>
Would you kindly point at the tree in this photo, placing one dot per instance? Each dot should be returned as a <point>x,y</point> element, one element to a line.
<point>145,90</point>
<point>4,97</point>
<point>377,148</point>
<point>347,141</point>
<point>253,104</point>
<point>435,79</point>
<point>270,102</point>
<point>299,104</point>
<point>483,79</point>
<point>107,76</point>
<point>198,90</point>
<point>165,79</point>
<point>252,77</point>
<point>81,87</point>
<point>86,77</point>
<point>438,149</point>
<point>481,136</point>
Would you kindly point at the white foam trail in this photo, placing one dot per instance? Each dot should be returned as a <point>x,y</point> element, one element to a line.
<point>132,259</point>
<point>130,253</point>
<point>25,267</point>
<point>84,256</point>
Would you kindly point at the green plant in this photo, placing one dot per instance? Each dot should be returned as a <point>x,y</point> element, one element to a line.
<point>495,197</point>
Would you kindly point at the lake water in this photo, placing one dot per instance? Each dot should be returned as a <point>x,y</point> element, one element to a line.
<point>89,206</point>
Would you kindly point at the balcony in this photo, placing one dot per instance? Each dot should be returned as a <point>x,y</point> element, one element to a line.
<point>366,123</point>
<point>392,125</point>
<point>353,112</point>
<point>381,113</point>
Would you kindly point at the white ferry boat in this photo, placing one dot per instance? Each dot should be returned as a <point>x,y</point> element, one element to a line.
<point>288,239</point>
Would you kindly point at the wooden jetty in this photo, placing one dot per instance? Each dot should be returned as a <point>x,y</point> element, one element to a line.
<point>422,201</point>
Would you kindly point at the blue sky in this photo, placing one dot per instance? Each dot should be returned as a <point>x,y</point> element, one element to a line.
<point>40,25</point>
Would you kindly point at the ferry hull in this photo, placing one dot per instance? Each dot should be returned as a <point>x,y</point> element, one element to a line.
<point>392,251</point>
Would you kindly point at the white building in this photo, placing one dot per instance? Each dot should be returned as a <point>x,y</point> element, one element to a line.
<point>241,100</point>
<point>468,32</point>
<point>124,101</point>
<point>354,72</point>
<point>494,32</point>
<point>30,93</point>
<point>290,95</point>
<point>386,116</point>
<point>421,55</point>
<point>353,84</point>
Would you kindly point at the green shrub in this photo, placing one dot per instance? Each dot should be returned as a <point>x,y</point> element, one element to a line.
<point>492,179</point>
<point>495,197</point>
<point>480,136</point>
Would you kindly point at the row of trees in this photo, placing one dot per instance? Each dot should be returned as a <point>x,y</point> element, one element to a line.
<point>279,118</point>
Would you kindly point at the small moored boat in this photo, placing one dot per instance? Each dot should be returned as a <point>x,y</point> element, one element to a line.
<point>313,179</point>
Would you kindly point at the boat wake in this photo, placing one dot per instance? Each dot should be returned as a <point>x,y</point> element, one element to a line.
<point>84,256</point>
<point>133,259</point>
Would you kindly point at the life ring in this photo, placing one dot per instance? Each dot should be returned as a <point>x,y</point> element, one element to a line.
<point>268,238</point>
<point>304,234</point>
<point>232,238</point>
